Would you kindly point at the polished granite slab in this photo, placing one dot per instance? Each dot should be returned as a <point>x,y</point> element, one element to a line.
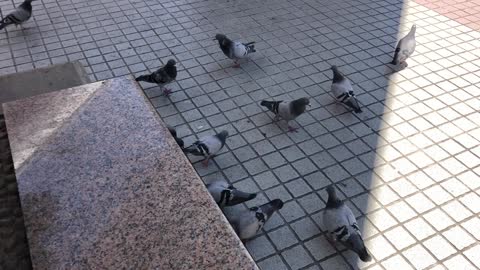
<point>103,185</point>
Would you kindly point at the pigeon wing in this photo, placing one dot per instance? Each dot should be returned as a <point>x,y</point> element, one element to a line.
<point>340,88</point>
<point>239,50</point>
<point>161,77</point>
<point>284,111</point>
<point>213,144</point>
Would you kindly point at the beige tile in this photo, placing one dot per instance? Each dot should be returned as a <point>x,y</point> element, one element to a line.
<point>418,256</point>
<point>459,262</point>
<point>379,247</point>
<point>458,237</point>
<point>396,262</point>
<point>399,237</point>
<point>438,219</point>
<point>440,248</point>
<point>419,228</point>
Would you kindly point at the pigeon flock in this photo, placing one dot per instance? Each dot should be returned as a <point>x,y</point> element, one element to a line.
<point>338,220</point>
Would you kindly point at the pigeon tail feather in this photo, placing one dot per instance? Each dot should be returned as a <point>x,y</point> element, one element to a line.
<point>250,47</point>
<point>145,78</point>
<point>271,105</point>
<point>192,149</point>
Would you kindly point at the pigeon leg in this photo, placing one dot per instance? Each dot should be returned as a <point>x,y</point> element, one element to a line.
<point>205,161</point>
<point>330,239</point>
<point>236,64</point>
<point>275,119</point>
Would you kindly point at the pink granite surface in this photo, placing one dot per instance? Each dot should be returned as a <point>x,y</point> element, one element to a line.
<point>103,185</point>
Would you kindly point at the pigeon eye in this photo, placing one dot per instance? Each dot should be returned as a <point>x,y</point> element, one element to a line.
<point>260,216</point>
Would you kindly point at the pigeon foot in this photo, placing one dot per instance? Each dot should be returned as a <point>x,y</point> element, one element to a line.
<point>292,129</point>
<point>167,91</point>
<point>205,162</point>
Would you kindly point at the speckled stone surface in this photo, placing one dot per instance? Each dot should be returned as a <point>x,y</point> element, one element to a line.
<point>104,186</point>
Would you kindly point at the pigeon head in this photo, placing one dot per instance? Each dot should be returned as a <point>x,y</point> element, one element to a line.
<point>171,62</point>
<point>300,105</point>
<point>222,136</point>
<point>265,211</point>
<point>220,37</point>
<point>172,131</point>
<point>333,201</point>
<point>337,75</point>
<point>355,243</point>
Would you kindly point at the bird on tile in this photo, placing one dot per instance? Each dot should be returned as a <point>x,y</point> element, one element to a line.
<point>208,146</point>
<point>342,226</point>
<point>174,134</point>
<point>405,48</point>
<point>287,110</point>
<point>162,76</point>
<point>248,222</point>
<point>20,15</point>
<point>227,195</point>
<point>234,50</point>
<point>343,91</point>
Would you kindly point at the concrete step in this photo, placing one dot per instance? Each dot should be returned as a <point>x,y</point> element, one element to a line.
<point>42,80</point>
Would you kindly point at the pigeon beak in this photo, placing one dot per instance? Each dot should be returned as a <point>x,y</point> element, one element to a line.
<point>240,197</point>
<point>272,206</point>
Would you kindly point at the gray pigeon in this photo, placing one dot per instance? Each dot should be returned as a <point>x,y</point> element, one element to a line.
<point>20,15</point>
<point>226,195</point>
<point>162,76</point>
<point>248,222</point>
<point>405,48</point>
<point>343,91</point>
<point>174,134</point>
<point>287,110</point>
<point>208,146</point>
<point>341,225</point>
<point>234,49</point>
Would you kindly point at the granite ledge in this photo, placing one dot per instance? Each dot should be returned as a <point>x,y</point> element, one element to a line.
<point>103,185</point>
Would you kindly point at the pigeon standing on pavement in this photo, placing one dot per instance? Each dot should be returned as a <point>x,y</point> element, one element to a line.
<point>248,222</point>
<point>162,76</point>
<point>208,146</point>
<point>174,134</point>
<point>343,91</point>
<point>234,49</point>
<point>405,48</point>
<point>20,15</point>
<point>226,195</point>
<point>287,110</point>
<point>341,225</point>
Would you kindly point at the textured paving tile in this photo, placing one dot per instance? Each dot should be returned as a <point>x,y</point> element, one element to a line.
<point>408,165</point>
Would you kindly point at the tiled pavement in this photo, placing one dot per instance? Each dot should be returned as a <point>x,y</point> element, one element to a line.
<point>409,164</point>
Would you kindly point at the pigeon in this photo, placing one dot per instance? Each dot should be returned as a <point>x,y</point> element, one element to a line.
<point>162,76</point>
<point>287,110</point>
<point>248,222</point>
<point>343,91</point>
<point>174,134</point>
<point>342,226</point>
<point>226,195</point>
<point>405,48</point>
<point>208,146</point>
<point>234,49</point>
<point>20,15</point>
